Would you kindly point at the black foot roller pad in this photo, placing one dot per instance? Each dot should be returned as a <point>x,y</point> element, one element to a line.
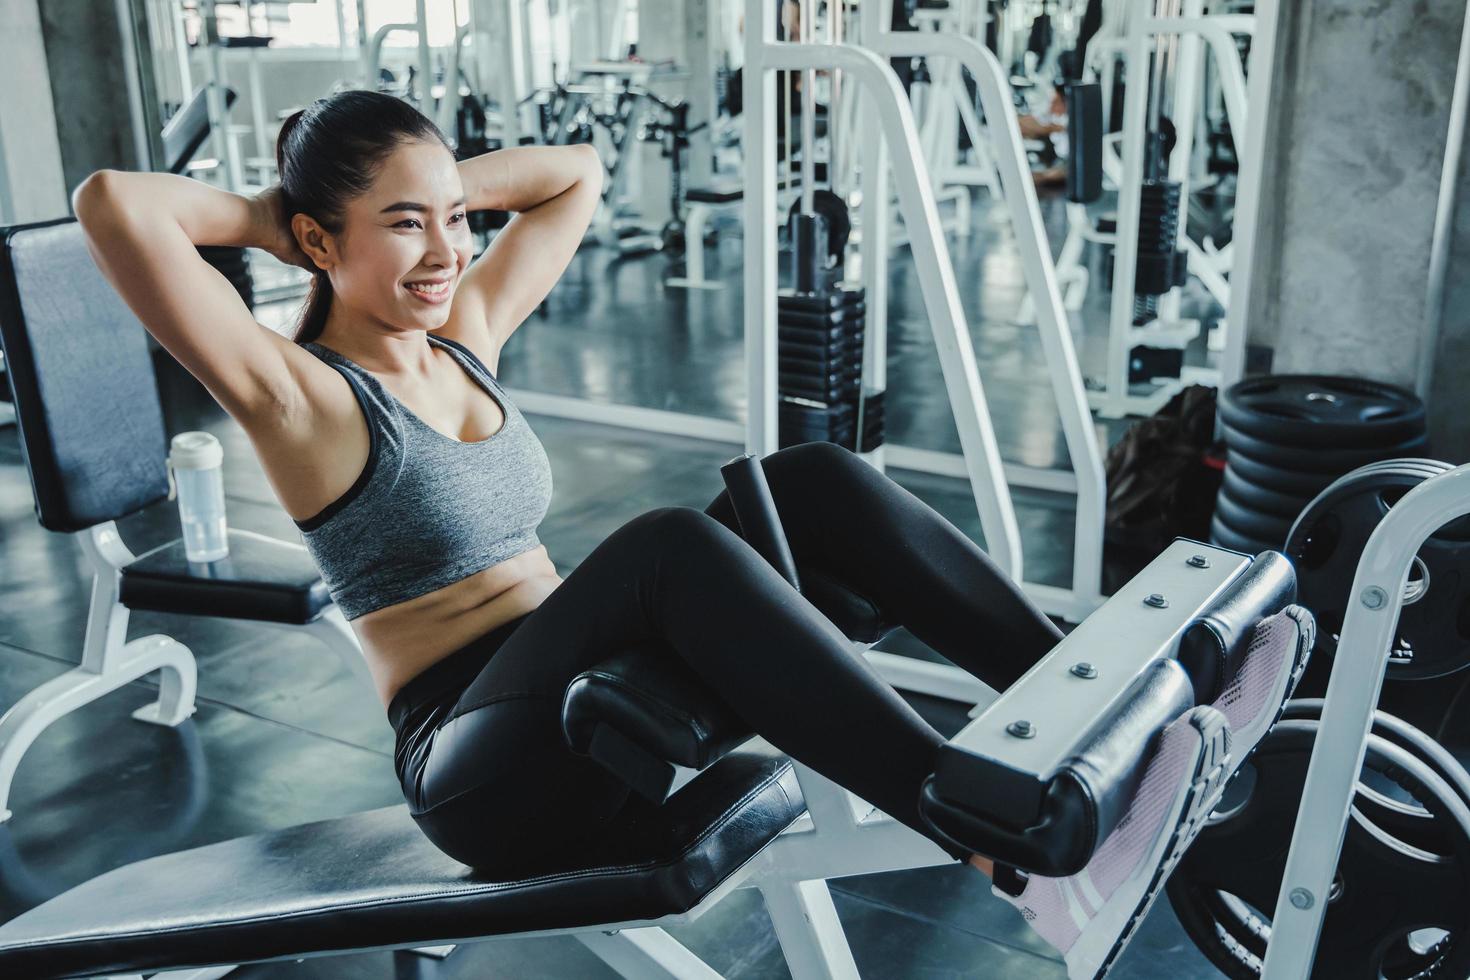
<point>372,880</point>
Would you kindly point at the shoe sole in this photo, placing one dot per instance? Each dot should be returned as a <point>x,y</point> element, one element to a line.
<point>1215,765</point>
<point>1108,933</point>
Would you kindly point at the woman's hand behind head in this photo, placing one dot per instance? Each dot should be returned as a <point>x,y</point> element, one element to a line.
<point>276,236</point>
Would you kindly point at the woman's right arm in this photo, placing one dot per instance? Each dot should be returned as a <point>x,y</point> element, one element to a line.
<point>142,229</point>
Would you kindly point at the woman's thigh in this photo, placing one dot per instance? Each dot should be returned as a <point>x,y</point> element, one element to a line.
<point>499,774</point>
<point>501,792</point>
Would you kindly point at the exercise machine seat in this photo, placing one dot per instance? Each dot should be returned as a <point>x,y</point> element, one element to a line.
<point>644,713</point>
<point>1054,825</point>
<point>261,579</point>
<point>373,880</point>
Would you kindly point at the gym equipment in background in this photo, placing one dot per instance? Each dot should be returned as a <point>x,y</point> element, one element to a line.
<point>1164,47</point>
<point>1288,436</point>
<point>819,322</point>
<point>188,128</point>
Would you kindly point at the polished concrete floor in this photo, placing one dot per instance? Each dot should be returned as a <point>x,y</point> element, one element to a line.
<point>283,735</point>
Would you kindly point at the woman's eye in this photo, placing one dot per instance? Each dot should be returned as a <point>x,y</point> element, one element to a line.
<point>415,221</point>
<point>457,218</point>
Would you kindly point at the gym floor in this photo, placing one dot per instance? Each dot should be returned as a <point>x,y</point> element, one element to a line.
<point>284,736</point>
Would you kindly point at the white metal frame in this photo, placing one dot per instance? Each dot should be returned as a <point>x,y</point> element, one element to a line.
<point>109,660</point>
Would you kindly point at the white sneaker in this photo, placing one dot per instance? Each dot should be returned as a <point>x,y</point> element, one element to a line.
<point>1089,917</point>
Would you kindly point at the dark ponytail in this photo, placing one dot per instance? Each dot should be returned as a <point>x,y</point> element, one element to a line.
<point>329,153</point>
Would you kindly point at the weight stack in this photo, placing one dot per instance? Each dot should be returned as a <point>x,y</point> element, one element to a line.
<point>234,265</point>
<point>1288,436</point>
<point>820,369</point>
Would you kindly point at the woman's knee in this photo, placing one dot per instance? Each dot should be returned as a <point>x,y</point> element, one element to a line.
<point>814,467</point>
<point>678,527</point>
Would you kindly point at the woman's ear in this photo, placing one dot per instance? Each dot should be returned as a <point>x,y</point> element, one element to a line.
<point>315,241</point>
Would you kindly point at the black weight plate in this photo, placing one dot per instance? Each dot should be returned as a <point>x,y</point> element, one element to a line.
<point>1317,409</point>
<point>1326,542</point>
<point>1226,537</point>
<point>1405,820</point>
<point>1226,885</point>
<point>1288,480</point>
<point>1264,499</point>
<point>1317,460</point>
<point>1251,523</point>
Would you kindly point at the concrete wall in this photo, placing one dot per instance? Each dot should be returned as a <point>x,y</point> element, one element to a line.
<point>95,86</point>
<point>31,184</point>
<point>1353,162</point>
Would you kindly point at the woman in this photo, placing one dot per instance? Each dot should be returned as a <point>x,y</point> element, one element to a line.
<point>419,487</point>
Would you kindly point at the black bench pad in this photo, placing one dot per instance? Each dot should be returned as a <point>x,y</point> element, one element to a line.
<point>262,578</point>
<point>373,880</point>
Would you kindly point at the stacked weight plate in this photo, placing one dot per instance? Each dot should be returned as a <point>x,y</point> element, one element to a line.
<point>1287,437</point>
<point>234,265</point>
<point>820,365</point>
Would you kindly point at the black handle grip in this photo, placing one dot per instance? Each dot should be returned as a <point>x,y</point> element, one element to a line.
<point>755,509</point>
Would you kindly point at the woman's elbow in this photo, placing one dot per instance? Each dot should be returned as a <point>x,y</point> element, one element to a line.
<point>93,194</point>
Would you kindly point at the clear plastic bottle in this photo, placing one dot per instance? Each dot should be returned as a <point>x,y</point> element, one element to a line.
<point>195,466</point>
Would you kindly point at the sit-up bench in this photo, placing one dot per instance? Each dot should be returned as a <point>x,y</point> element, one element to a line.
<point>748,818</point>
<point>703,203</point>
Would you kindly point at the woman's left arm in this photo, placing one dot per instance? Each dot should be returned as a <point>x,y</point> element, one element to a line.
<point>554,191</point>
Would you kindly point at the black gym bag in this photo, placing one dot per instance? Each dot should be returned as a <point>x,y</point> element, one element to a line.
<point>1162,482</point>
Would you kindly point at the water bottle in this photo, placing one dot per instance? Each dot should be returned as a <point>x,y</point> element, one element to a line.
<point>195,462</point>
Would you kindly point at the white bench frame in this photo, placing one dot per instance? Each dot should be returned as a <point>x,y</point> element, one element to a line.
<point>110,661</point>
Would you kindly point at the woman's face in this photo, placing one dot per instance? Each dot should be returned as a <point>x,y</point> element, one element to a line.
<point>405,243</point>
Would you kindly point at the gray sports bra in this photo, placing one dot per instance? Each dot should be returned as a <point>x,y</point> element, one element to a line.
<point>427,510</point>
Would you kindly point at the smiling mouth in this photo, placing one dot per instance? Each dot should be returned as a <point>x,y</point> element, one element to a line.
<point>428,289</point>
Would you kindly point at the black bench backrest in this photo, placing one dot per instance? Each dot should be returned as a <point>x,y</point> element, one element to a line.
<point>86,400</point>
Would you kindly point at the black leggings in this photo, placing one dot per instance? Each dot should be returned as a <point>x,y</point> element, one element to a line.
<point>480,751</point>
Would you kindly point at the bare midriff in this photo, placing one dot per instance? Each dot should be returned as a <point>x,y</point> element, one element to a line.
<point>403,640</point>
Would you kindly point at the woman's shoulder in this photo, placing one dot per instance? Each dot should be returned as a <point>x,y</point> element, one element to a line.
<point>315,448</point>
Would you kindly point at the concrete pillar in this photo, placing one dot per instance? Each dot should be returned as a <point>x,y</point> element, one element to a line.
<point>701,38</point>
<point>1449,401</point>
<point>101,74</point>
<point>1354,154</point>
<point>31,184</point>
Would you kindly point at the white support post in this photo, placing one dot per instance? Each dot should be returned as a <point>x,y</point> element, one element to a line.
<point>759,97</point>
<point>875,224</point>
<point>647,953</point>
<point>1347,716</point>
<point>809,931</point>
<point>1187,72</point>
<point>1252,158</point>
<point>1125,251</point>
